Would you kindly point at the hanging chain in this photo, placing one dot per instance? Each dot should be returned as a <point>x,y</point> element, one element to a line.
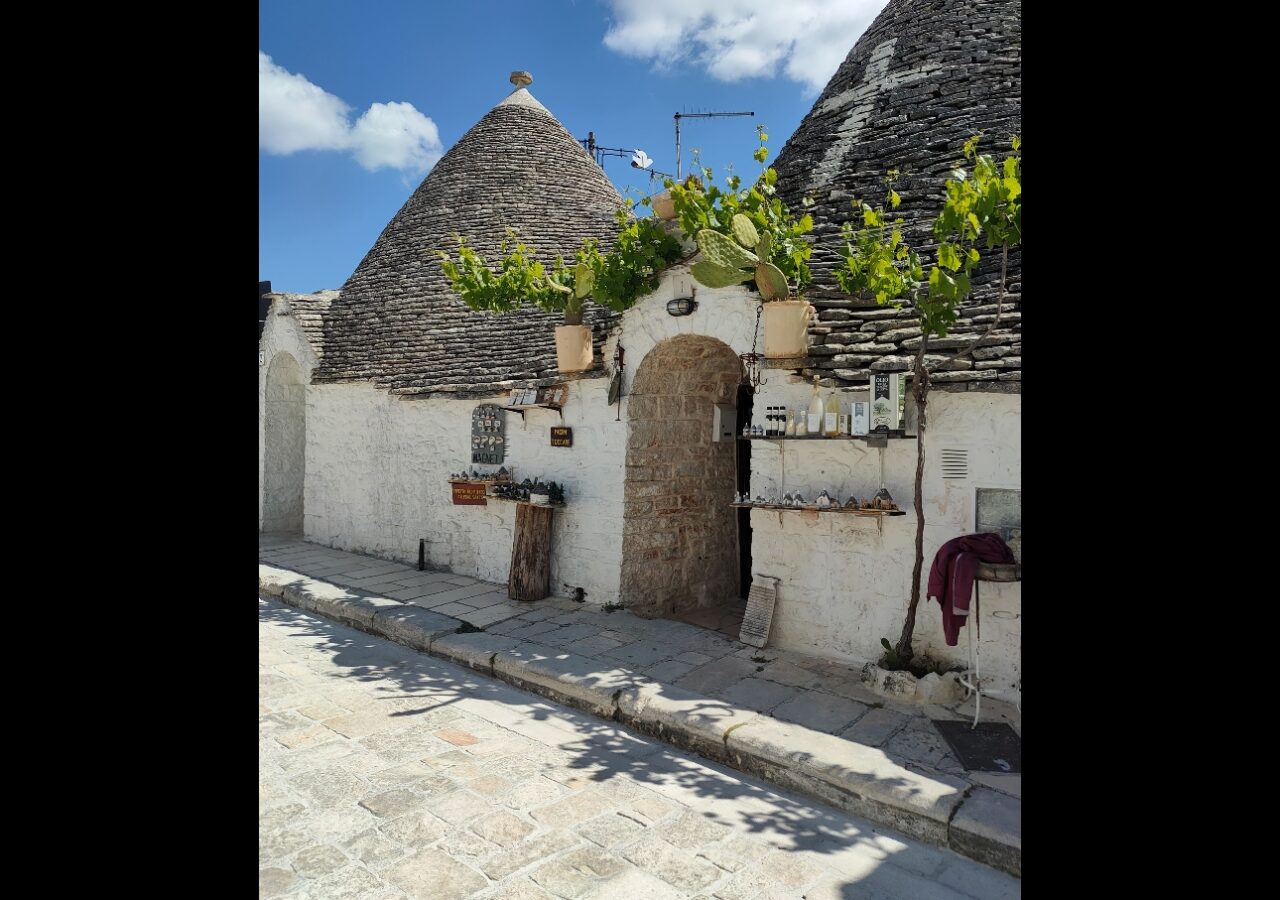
<point>751,361</point>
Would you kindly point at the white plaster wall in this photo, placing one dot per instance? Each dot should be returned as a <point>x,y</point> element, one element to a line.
<point>845,580</point>
<point>281,334</point>
<point>378,466</point>
<point>378,470</point>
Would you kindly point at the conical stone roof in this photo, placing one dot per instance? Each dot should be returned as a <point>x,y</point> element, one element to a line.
<point>923,78</point>
<point>398,323</point>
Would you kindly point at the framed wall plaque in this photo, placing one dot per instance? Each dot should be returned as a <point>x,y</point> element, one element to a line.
<point>488,434</point>
<point>561,436</point>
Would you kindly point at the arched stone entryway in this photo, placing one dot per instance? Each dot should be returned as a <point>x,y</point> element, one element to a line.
<point>284,457</point>
<point>679,540</point>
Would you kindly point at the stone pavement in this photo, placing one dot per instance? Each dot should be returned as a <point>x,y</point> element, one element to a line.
<point>385,773</point>
<point>690,665</point>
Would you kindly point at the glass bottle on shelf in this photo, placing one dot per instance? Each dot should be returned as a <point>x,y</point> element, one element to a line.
<point>802,429</point>
<point>791,423</point>
<point>830,419</point>
<point>815,411</point>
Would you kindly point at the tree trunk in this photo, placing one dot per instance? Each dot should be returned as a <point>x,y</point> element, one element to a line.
<point>921,390</point>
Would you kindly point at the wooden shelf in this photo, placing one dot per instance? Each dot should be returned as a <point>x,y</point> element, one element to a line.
<point>478,481</point>
<point>870,438</point>
<point>533,406</point>
<point>876,513</point>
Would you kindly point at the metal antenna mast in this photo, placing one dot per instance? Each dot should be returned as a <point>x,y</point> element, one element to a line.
<point>710,115</point>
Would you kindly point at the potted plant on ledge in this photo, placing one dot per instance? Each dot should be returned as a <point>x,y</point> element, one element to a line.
<point>749,235</point>
<point>640,253</point>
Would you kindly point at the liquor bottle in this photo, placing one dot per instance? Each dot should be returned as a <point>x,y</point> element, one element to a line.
<point>815,411</point>
<point>772,430</point>
<point>782,421</point>
<point>830,424</point>
<point>791,423</point>
<point>801,429</point>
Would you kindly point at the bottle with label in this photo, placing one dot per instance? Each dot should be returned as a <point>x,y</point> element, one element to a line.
<point>801,429</point>
<point>768,421</point>
<point>815,411</point>
<point>791,423</point>
<point>831,418</point>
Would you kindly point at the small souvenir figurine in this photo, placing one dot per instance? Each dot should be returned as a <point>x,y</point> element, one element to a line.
<point>851,503</point>
<point>799,499</point>
<point>883,500</point>
<point>787,499</point>
<point>824,500</point>
<point>759,499</point>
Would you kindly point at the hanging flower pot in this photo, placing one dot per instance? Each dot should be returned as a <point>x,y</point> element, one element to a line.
<point>573,348</point>
<point>786,328</point>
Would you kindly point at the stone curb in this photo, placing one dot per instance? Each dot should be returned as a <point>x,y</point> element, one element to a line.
<point>976,822</point>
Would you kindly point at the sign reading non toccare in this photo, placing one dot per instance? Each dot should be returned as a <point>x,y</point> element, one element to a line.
<point>469,493</point>
<point>561,436</point>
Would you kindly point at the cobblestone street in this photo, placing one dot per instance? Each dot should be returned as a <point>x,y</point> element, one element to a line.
<point>387,773</point>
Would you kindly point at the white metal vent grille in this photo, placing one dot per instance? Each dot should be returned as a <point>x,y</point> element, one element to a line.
<point>955,463</point>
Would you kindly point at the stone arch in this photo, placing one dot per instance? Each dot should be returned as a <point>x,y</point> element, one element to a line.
<point>284,459</point>
<point>679,540</point>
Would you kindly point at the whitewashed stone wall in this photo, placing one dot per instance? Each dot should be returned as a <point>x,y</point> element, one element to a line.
<point>377,469</point>
<point>844,580</point>
<point>282,334</point>
<point>378,466</point>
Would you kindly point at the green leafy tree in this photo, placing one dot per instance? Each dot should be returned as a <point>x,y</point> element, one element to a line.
<point>639,254</point>
<point>982,207</point>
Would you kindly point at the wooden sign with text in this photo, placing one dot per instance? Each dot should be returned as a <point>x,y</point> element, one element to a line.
<point>561,437</point>
<point>469,493</point>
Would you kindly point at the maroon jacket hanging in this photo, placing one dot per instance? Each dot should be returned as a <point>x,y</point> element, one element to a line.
<point>952,573</point>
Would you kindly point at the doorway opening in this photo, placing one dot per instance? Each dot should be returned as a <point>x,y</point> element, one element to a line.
<point>680,554</point>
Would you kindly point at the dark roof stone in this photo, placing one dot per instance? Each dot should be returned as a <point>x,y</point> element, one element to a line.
<point>923,78</point>
<point>398,323</point>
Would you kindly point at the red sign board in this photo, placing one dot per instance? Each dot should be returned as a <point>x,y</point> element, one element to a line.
<point>469,493</point>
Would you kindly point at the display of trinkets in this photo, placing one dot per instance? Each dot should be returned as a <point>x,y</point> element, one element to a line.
<point>824,500</point>
<point>488,434</point>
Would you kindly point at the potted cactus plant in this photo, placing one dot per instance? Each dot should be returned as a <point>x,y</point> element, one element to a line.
<point>727,261</point>
<point>748,235</point>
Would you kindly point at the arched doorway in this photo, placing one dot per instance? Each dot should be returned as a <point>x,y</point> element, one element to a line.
<point>680,540</point>
<point>284,457</point>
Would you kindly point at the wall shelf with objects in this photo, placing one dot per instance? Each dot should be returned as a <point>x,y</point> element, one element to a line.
<point>874,440</point>
<point>879,513</point>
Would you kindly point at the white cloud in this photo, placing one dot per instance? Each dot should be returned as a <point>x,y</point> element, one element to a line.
<point>804,40</point>
<point>294,114</point>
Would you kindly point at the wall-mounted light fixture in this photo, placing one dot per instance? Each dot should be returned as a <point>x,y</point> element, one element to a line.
<point>681,306</point>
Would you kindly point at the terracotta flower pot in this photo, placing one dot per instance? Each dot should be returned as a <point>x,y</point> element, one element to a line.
<point>786,328</point>
<point>573,348</point>
<point>663,207</point>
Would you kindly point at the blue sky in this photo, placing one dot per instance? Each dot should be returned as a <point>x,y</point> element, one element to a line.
<point>358,100</point>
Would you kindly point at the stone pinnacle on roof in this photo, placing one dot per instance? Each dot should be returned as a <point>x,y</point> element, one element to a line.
<point>521,79</point>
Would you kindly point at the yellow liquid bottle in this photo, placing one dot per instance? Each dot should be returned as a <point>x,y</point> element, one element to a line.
<point>830,419</point>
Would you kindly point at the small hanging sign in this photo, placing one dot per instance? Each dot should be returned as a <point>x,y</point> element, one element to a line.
<point>469,493</point>
<point>561,436</point>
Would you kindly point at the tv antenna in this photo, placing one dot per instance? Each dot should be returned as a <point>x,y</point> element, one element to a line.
<point>639,159</point>
<point>709,115</point>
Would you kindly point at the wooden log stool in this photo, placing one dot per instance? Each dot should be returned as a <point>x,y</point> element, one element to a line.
<point>530,577</point>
